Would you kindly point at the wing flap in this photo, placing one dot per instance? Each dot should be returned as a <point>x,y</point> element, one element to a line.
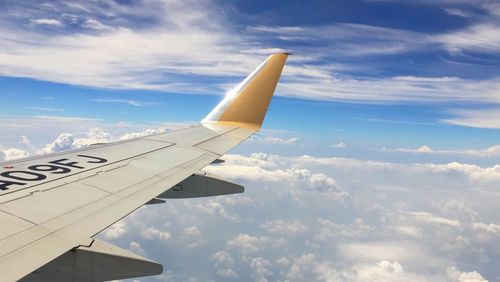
<point>202,184</point>
<point>98,262</point>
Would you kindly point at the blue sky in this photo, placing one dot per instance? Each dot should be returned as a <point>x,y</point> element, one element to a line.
<point>381,101</point>
<point>366,63</point>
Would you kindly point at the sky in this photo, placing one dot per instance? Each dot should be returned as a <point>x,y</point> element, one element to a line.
<point>378,159</point>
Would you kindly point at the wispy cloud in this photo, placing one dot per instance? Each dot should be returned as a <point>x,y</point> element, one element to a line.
<point>493,151</point>
<point>165,54</point>
<point>340,145</point>
<point>457,12</point>
<point>122,101</point>
<point>50,22</point>
<point>45,109</point>
<point>278,140</point>
<point>486,117</point>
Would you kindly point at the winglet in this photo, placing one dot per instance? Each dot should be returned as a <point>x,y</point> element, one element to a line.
<point>246,105</point>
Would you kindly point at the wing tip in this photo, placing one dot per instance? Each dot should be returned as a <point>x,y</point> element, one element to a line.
<point>247,104</point>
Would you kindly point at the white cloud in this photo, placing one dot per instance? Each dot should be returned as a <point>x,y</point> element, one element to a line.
<point>45,109</point>
<point>340,145</point>
<point>151,233</point>
<point>474,173</point>
<point>385,271</point>
<point>488,152</point>
<point>13,154</point>
<point>123,57</point>
<point>193,237</point>
<point>122,101</point>
<point>67,141</point>
<point>489,228</point>
<point>429,218</point>
<point>247,243</point>
<point>95,24</point>
<point>64,142</point>
<point>478,37</point>
<point>214,208</point>
<point>422,149</point>
<point>279,140</point>
<point>482,118</point>
<point>376,251</point>
<point>377,234</point>
<point>116,230</point>
<point>146,132</point>
<point>381,231</point>
<point>462,276</point>
<point>281,227</point>
<point>299,266</point>
<point>49,22</point>
<point>457,12</point>
<point>245,168</point>
<point>116,55</point>
<point>391,89</point>
<point>137,248</point>
<point>329,230</point>
<point>261,269</point>
<point>25,141</point>
<point>224,263</point>
<point>486,232</point>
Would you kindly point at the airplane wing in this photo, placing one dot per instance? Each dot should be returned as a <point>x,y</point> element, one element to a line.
<point>52,206</point>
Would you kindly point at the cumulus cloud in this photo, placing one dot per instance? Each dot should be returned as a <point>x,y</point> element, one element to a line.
<point>386,271</point>
<point>462,276</point>
<point>137,248</point>
<point>66,141</point>
<point>193,237</point>
<point>12,154</point>
<point>247,243</point>
<point>63,142</point>
<point>281,227</point>
<point>375,232</point>
<point>261,269</point>
<point>151,233</point>
<point>116,230</point>
<point>217,209</point>
<point>224,263</point>
<point>69,141</point>
<point>245,168</point>
<point>329,230</point>
<point>146,132</point>
<point>489,228</point>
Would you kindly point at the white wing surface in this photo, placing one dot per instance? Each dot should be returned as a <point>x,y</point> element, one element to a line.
<point>51,206</point>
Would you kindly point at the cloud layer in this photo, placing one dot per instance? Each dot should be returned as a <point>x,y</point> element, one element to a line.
<point>113,46</point>
<point>320,218</point>
<point>287,228</point>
